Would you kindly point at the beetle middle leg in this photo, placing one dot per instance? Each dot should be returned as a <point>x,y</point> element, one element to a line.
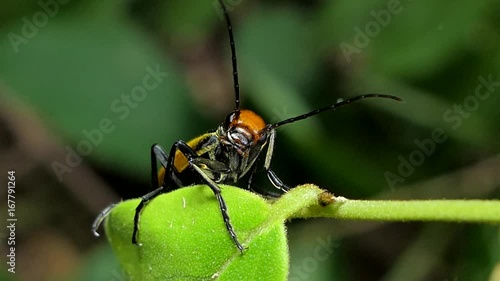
<point>266,193</point>
<point>191,156</point>
<point>167,162</point>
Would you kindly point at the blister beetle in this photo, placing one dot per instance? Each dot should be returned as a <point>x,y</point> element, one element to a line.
<point>222,156</point>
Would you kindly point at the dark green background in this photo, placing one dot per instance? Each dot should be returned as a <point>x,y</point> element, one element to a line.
<point>431,53</point>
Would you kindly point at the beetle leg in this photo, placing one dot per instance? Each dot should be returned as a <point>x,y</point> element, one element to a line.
<point>250,178</point>
<point>222,205</point>
<point>167,161</point>
<point>100,218</point>
<point>266,193</point>
<point>267,165</point>
<point>190,154</point>
<point>138,210</point>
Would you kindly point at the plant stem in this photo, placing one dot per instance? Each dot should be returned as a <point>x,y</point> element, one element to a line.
<point>484,211</point>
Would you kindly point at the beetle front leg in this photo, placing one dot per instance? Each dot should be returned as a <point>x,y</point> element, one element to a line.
<point>267,165</point>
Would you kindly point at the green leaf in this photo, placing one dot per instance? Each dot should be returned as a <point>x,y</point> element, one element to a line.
<point>184,238</point>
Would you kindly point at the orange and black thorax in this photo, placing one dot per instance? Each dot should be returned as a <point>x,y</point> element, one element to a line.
<point>226,154</point>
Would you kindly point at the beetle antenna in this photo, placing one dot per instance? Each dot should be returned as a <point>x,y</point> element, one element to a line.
<point>331,107</point>
<point>233,57</point>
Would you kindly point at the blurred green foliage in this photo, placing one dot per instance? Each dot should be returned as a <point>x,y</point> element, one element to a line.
<point>74,66</point>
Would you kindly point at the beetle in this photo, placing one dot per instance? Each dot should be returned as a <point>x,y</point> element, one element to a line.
<point>221,156</point>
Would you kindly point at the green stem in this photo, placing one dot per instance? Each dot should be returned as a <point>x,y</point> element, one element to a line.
<point>484,211</point>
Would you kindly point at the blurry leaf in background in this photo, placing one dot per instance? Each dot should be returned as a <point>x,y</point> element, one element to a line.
<point>441,32</point>
<point>89,75</point>
<point>276,30</point>
<point>480,249</point>
<point>436,30</point>
<point>188,21</point>
<point>101,265</point>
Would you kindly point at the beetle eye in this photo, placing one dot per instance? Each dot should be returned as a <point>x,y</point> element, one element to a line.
<point>263,137</point>
<point>229,119</point>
